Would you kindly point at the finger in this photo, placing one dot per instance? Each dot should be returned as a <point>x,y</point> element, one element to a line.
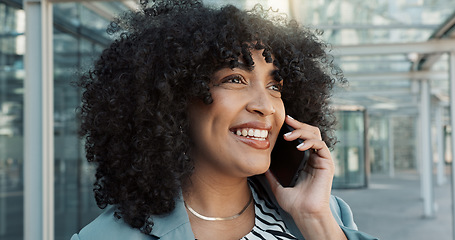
<point>293,122</point>
<point>302,134</point>
<point>319,147</point>
<point>303,126</point>
<point>319,162</point>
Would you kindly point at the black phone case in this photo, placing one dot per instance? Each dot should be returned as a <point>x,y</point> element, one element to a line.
<point>286,160</point>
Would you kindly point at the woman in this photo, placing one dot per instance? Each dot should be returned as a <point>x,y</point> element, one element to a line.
<point>181,113</point>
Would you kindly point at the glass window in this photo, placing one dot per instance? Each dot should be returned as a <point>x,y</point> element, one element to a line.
<point>77,42</point>
<point>12,26</point>
<point>378,135</point>
<point>374,21</point>
<point>349,152</point>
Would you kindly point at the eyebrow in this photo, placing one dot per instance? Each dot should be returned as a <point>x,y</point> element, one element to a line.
<point>244,67</point>
<point>240,65</point>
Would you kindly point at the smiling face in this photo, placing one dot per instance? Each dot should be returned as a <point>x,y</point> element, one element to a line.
<point>234,135</point>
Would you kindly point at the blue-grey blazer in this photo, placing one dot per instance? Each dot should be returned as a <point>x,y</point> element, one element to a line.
<point>176,224</point>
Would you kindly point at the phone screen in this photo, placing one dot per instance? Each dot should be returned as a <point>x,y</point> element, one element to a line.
<point>287,161</point>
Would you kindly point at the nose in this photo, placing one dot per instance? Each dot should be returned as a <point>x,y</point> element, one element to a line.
<point>260,103</point>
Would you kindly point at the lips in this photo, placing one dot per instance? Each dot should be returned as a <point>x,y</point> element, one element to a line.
<point>255,135</point>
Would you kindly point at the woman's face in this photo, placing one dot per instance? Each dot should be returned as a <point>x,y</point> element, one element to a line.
<point>234,135</point>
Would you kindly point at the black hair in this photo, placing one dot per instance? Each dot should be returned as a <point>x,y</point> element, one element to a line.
<point>135,98</point>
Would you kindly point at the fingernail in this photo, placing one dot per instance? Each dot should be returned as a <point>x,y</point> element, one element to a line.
<point>287,134</point>
<point>290,117</point>
<point>300,145</point>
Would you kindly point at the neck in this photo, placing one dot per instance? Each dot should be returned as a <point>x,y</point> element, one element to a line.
<point>218,196</point>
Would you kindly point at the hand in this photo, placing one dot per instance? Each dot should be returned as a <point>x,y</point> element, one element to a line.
<point>311,194</point>
<point>308,201</point>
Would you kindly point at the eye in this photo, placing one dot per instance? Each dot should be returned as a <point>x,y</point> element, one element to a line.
<point>237,79</point>
<point>276,86</point>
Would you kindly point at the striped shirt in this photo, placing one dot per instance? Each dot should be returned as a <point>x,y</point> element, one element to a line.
<point>268,223</point>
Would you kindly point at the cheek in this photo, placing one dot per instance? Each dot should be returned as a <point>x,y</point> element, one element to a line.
<point>206,120</point>
<point>280,112</point>
<point>197,114</point>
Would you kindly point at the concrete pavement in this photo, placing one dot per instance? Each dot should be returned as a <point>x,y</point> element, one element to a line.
<point>392,209</point>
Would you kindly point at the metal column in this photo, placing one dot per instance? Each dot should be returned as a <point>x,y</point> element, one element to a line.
<point>391,148</point>
<point>452,123</point>
<point>440,143</point>
<point>427,162</point>
<point>419,143</point>
<point>38,123</point>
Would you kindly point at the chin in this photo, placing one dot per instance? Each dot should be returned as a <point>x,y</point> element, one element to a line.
<point>260,168</point>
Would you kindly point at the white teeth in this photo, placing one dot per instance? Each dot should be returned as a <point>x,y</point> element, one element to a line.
<point>244,132</point>
<point>253,133</point>
<point>257,133</point>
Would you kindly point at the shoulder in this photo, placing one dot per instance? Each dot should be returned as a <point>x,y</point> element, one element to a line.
<point>343,215</point>
<point>171,226</point>
<point>342,212</point>
<point>107,226</point>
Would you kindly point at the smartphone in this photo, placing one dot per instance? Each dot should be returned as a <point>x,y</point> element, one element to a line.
<point>286,160</point>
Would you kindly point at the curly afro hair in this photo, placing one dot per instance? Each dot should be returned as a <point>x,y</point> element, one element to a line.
<point>135,98</point>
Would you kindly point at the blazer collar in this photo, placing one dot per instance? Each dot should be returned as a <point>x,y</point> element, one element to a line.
<point>174,224</point>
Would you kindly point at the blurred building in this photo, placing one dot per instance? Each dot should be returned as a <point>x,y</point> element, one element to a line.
<point>393,115</point>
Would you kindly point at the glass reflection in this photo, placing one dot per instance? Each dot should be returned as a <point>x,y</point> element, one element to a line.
<point>11,128</point>
<point>349,153</point>
<point>77,42</point>
<point>374,21</point>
